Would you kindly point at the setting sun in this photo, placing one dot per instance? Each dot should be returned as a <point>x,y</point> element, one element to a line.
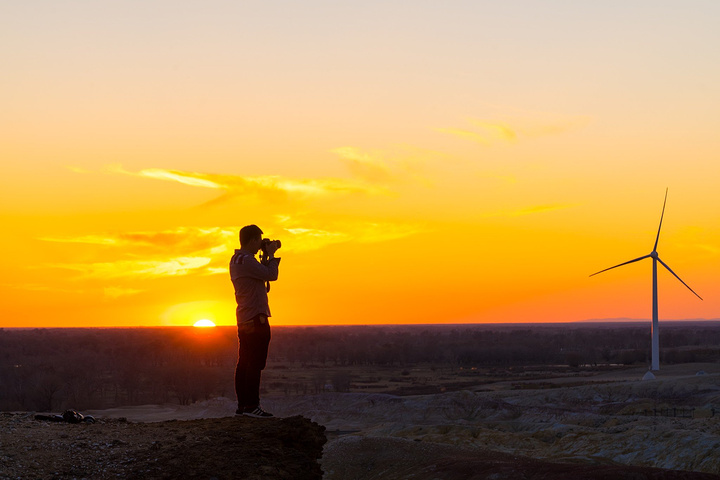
<point>204,323</point>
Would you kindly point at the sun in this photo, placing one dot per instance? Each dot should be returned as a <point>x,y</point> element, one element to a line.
<point>204,323</point>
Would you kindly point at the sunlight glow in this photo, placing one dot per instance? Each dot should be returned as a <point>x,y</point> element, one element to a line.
<point>414,171</point>
<point>204,323</point>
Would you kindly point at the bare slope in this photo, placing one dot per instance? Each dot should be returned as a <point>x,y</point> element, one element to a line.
<point>219,448</point>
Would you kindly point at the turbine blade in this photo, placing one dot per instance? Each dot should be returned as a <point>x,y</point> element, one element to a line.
<point>670,270</point>
<point>661,219</point>
<point>624,263</point>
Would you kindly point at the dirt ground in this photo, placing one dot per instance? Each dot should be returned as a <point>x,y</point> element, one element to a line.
<point>241,447</point>
<point>536,426</point>
<point>361,458</point>
<point>216,448</point>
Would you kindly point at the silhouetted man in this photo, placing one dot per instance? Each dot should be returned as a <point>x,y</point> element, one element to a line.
<point>248,276</point>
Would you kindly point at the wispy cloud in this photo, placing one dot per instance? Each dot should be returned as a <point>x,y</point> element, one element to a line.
<point>137,268</point>
<point>193,250</point>
<point>402,163</point>
<point>182,239</point>
<point>711,249</point>
<point>37,287</point>
<point>307,238</point>
<point>370,166</point>
<point>540,209</point>
<point>76,169</point>
<point>698,239</point>
<point>500,131</point>
<point>186,178</point>
<point>88,239</point>
<point>487,132</point>
<point>273,187</point>
<point>206,251</point>
<point>531,210</point>
<point>116,292</point>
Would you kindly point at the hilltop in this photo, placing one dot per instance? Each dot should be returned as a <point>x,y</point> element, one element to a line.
<point>215,448</point>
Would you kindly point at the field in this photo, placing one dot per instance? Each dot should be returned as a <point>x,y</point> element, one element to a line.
<point>388,396</point>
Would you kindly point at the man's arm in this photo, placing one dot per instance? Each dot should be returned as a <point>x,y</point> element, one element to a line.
<point>250,267</point>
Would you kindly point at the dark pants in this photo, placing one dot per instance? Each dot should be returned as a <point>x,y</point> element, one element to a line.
<point>253,341</point>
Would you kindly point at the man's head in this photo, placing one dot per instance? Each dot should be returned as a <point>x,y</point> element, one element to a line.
<point>251,238</point>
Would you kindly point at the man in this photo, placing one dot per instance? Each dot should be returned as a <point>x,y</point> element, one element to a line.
<point>248,277</point>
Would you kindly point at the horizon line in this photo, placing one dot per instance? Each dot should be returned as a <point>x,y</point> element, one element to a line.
<point>620,320</point>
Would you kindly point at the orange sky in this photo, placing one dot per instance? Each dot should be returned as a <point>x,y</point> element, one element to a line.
<point>420,162</point>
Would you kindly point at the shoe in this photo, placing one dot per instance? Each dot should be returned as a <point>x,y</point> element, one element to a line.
<point>257,412</point>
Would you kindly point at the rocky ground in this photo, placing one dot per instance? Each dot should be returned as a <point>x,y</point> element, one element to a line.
<point>591,423</point>
<point>216,448</point>
<point>563,428</point>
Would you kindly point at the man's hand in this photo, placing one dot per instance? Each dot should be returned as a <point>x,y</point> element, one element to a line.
<point>271,248</point>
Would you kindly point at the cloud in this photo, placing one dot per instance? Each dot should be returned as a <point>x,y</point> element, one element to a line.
<point>510,131</point>
<point>400,164</point>
<point>306,238</point>
<point>213,260</point>
<point>540,209</point>
<point>698,239</point>
<point>116,292</point>
<point>206,251</point>
<point>530,210</point>
<point>383,232</point>
<point>465,134</point>
<point>554,128</point>
<point>187,239</point>
<point>138,268</point>
<point>185,178</point>
<point>497,130</point>
<point>272,187</point>
<point>76,169</point>
<point>36,287</point>
<point>89,239</point>
<point>711,249</point>
<point>192,250</point>
<point>364,165</point>
<point>216,271</point>
<point>486,133</point>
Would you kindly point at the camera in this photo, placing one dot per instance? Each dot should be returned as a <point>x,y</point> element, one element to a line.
<point>267,242</point>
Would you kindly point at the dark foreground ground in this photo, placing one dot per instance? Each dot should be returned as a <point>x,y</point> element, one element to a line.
<point>253,449</point>
<point>218,448</point>
<point>432,461</point>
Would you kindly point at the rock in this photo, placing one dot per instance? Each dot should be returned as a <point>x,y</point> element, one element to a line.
<point>222,448</point>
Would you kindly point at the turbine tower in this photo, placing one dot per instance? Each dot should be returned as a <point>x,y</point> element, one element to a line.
<point>655,259</point>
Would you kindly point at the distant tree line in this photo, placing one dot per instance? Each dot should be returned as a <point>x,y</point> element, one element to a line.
<point>53,369</point>
<point>490,345</point>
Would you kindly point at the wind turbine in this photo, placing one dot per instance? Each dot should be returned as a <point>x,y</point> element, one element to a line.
<point>655,259</point>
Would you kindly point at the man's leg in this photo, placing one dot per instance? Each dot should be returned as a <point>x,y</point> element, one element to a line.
<point>241,370</point>
<point>258,341</point>
<point>253,342</point>
<point>240,380</point>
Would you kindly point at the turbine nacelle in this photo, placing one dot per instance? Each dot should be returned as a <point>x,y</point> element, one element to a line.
<point>654,254</point>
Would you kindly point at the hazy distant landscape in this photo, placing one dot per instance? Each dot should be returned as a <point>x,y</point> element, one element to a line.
<point>56,369</point>
<point>443,399</point>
